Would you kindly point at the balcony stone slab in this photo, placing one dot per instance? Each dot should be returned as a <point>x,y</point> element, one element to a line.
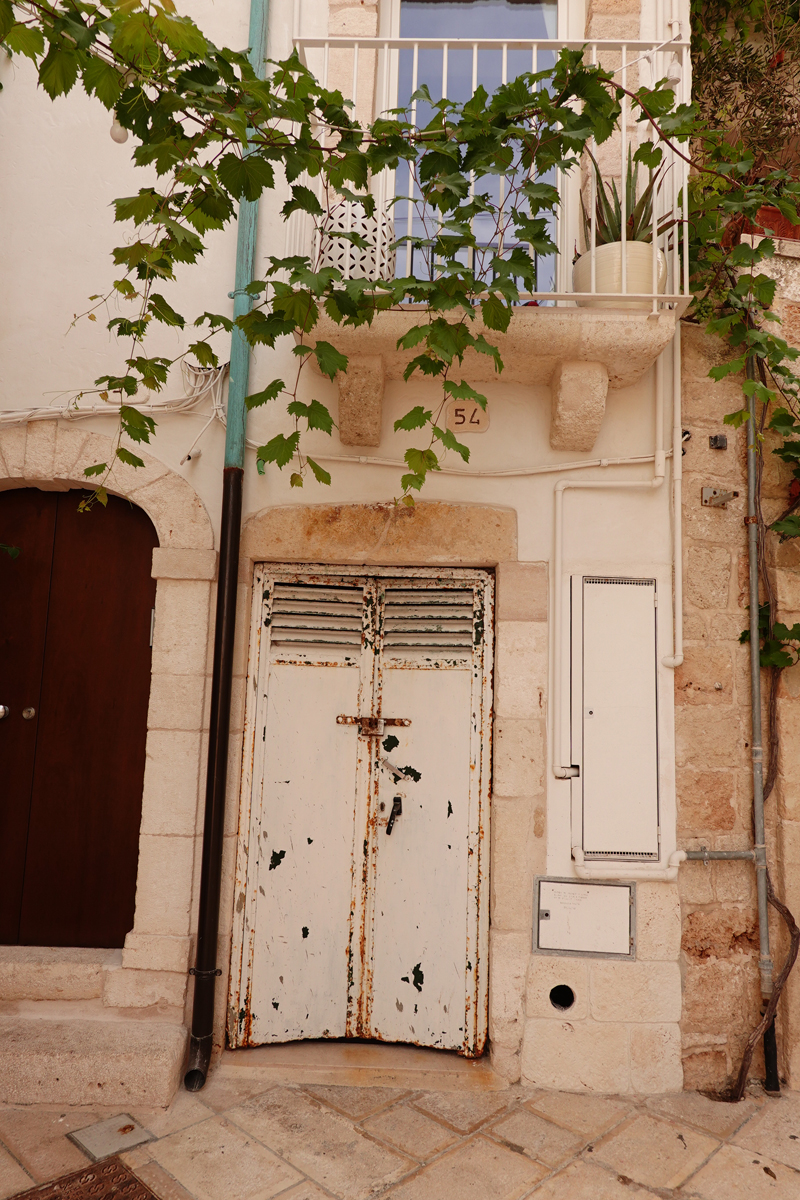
<point>579,353</point>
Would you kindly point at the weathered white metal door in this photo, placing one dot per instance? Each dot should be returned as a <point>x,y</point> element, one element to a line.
<point>362,873</point>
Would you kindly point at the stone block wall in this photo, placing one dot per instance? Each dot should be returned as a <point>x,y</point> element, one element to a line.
<point>622,1032</point>
<point>712,697</point>
<point>518,851</point>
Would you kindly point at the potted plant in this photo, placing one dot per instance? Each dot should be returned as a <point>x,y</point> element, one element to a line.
<point>608,241</point>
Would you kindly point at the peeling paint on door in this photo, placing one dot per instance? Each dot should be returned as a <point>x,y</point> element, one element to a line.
<point>384,859</point>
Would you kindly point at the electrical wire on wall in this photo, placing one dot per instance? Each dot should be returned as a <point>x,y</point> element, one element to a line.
<point>200,383</point>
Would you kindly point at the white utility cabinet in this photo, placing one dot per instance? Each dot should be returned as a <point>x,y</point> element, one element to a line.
<point>581,917</point>
<point>614,717</point>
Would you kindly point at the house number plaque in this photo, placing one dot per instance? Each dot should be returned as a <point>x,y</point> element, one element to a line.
<point>465,416</point>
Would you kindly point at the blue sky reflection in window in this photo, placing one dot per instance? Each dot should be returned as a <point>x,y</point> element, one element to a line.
<point>475,20</point>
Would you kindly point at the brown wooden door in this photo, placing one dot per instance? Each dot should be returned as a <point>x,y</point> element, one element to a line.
<point>75,613</point>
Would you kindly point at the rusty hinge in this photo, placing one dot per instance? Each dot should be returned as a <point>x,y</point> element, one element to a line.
<point>372,726</point>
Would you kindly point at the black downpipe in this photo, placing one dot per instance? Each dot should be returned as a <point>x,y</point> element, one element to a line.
<point>205,970</point>
<point>772,1082</point>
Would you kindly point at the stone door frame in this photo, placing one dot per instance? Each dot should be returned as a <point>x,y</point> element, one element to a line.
<point>434,534</point>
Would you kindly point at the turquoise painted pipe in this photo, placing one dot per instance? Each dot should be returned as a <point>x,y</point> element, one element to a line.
<point>239,379</point>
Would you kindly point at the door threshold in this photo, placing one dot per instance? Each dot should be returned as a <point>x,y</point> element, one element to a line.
<point>359,1064</point>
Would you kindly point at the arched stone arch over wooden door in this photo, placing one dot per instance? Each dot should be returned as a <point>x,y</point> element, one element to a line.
<point>51,456</point>
<point>75,636</point>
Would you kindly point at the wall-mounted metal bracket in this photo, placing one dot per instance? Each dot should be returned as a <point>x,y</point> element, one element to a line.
<point>712,497</point>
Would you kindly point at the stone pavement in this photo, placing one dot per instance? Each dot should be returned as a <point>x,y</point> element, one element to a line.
<point>247,1139</point>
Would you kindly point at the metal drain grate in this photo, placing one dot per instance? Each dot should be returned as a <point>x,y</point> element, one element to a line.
<point>105,1180</point>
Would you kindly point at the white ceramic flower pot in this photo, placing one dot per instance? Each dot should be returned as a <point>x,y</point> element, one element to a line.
<point>608,274</point>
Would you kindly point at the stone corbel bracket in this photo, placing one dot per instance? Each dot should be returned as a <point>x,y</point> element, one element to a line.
<point>361,400</point>
<point>580,353</point>
<point>579,391</point>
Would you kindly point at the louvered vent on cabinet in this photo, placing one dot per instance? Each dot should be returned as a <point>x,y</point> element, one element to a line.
<point>308,615</point>
<point>439,622</point>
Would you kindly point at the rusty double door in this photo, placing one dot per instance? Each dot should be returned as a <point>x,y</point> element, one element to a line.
<point>362,892</point>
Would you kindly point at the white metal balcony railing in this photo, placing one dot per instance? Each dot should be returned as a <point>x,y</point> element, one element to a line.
<point>379,74</point>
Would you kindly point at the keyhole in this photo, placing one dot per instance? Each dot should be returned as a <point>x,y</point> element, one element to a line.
<point>382,806</point>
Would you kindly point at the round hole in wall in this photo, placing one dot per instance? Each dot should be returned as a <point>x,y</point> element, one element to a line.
<point>562,997</point>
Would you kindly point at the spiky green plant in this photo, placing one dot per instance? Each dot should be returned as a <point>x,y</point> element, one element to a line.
<point>638,213</point>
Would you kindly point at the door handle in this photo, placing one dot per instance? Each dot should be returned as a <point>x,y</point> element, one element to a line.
<point>4,711</point>
<point>399,772</point>
<point>397,811</point>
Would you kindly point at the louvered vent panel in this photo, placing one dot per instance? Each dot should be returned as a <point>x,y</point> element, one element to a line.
<point>309,615</point>
<point>616,579</point>
<point>439,622</point>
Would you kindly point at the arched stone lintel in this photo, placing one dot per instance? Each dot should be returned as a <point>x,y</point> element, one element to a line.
<point>52,455</point>
<point>433,533</point>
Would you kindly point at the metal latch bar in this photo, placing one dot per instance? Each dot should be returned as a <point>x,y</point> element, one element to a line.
<point>372,726</point>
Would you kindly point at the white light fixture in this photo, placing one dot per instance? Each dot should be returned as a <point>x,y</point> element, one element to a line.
<point>674,75</point>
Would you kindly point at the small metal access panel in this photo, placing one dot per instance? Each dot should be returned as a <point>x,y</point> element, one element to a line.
<point>585,918</point>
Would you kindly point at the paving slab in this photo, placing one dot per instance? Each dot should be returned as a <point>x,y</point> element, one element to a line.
<point>410,1131</point>
<point>13,1178</point>
<point>775,1132</point>
<point>186,1109</point>
<point>356,1102</point>
<point>306,1191</point>
<point>712,1116</point>
<point>476,1170</point>
<point>225,1090</point>
<point>586,1181</point>
<point>321,1143</point>
<point>537,1138</point>
<point>463,1111</point>
<point>590,1116</point>
<point>654,1153</point>
<point>216,1161</point>
<point>738,1174</point>
<point>38,1138</point>
<point>137,1157</point>
<point>162,1183</point>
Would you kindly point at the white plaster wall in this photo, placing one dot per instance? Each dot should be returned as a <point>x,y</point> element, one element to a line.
<point>61,171</point>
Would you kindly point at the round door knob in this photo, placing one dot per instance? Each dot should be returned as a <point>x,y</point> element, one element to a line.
<point>4,711</point>
<point>29,713</point>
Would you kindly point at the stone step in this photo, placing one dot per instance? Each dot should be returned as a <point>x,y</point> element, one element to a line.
<point>120,1062</point>
<point>359,1064</point>
<point>54,973</point>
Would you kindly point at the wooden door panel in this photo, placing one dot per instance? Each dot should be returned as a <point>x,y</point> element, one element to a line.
<point>80,875</point>
<point>27,520</point>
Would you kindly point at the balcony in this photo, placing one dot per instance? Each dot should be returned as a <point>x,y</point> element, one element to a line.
<point>602,328</point>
